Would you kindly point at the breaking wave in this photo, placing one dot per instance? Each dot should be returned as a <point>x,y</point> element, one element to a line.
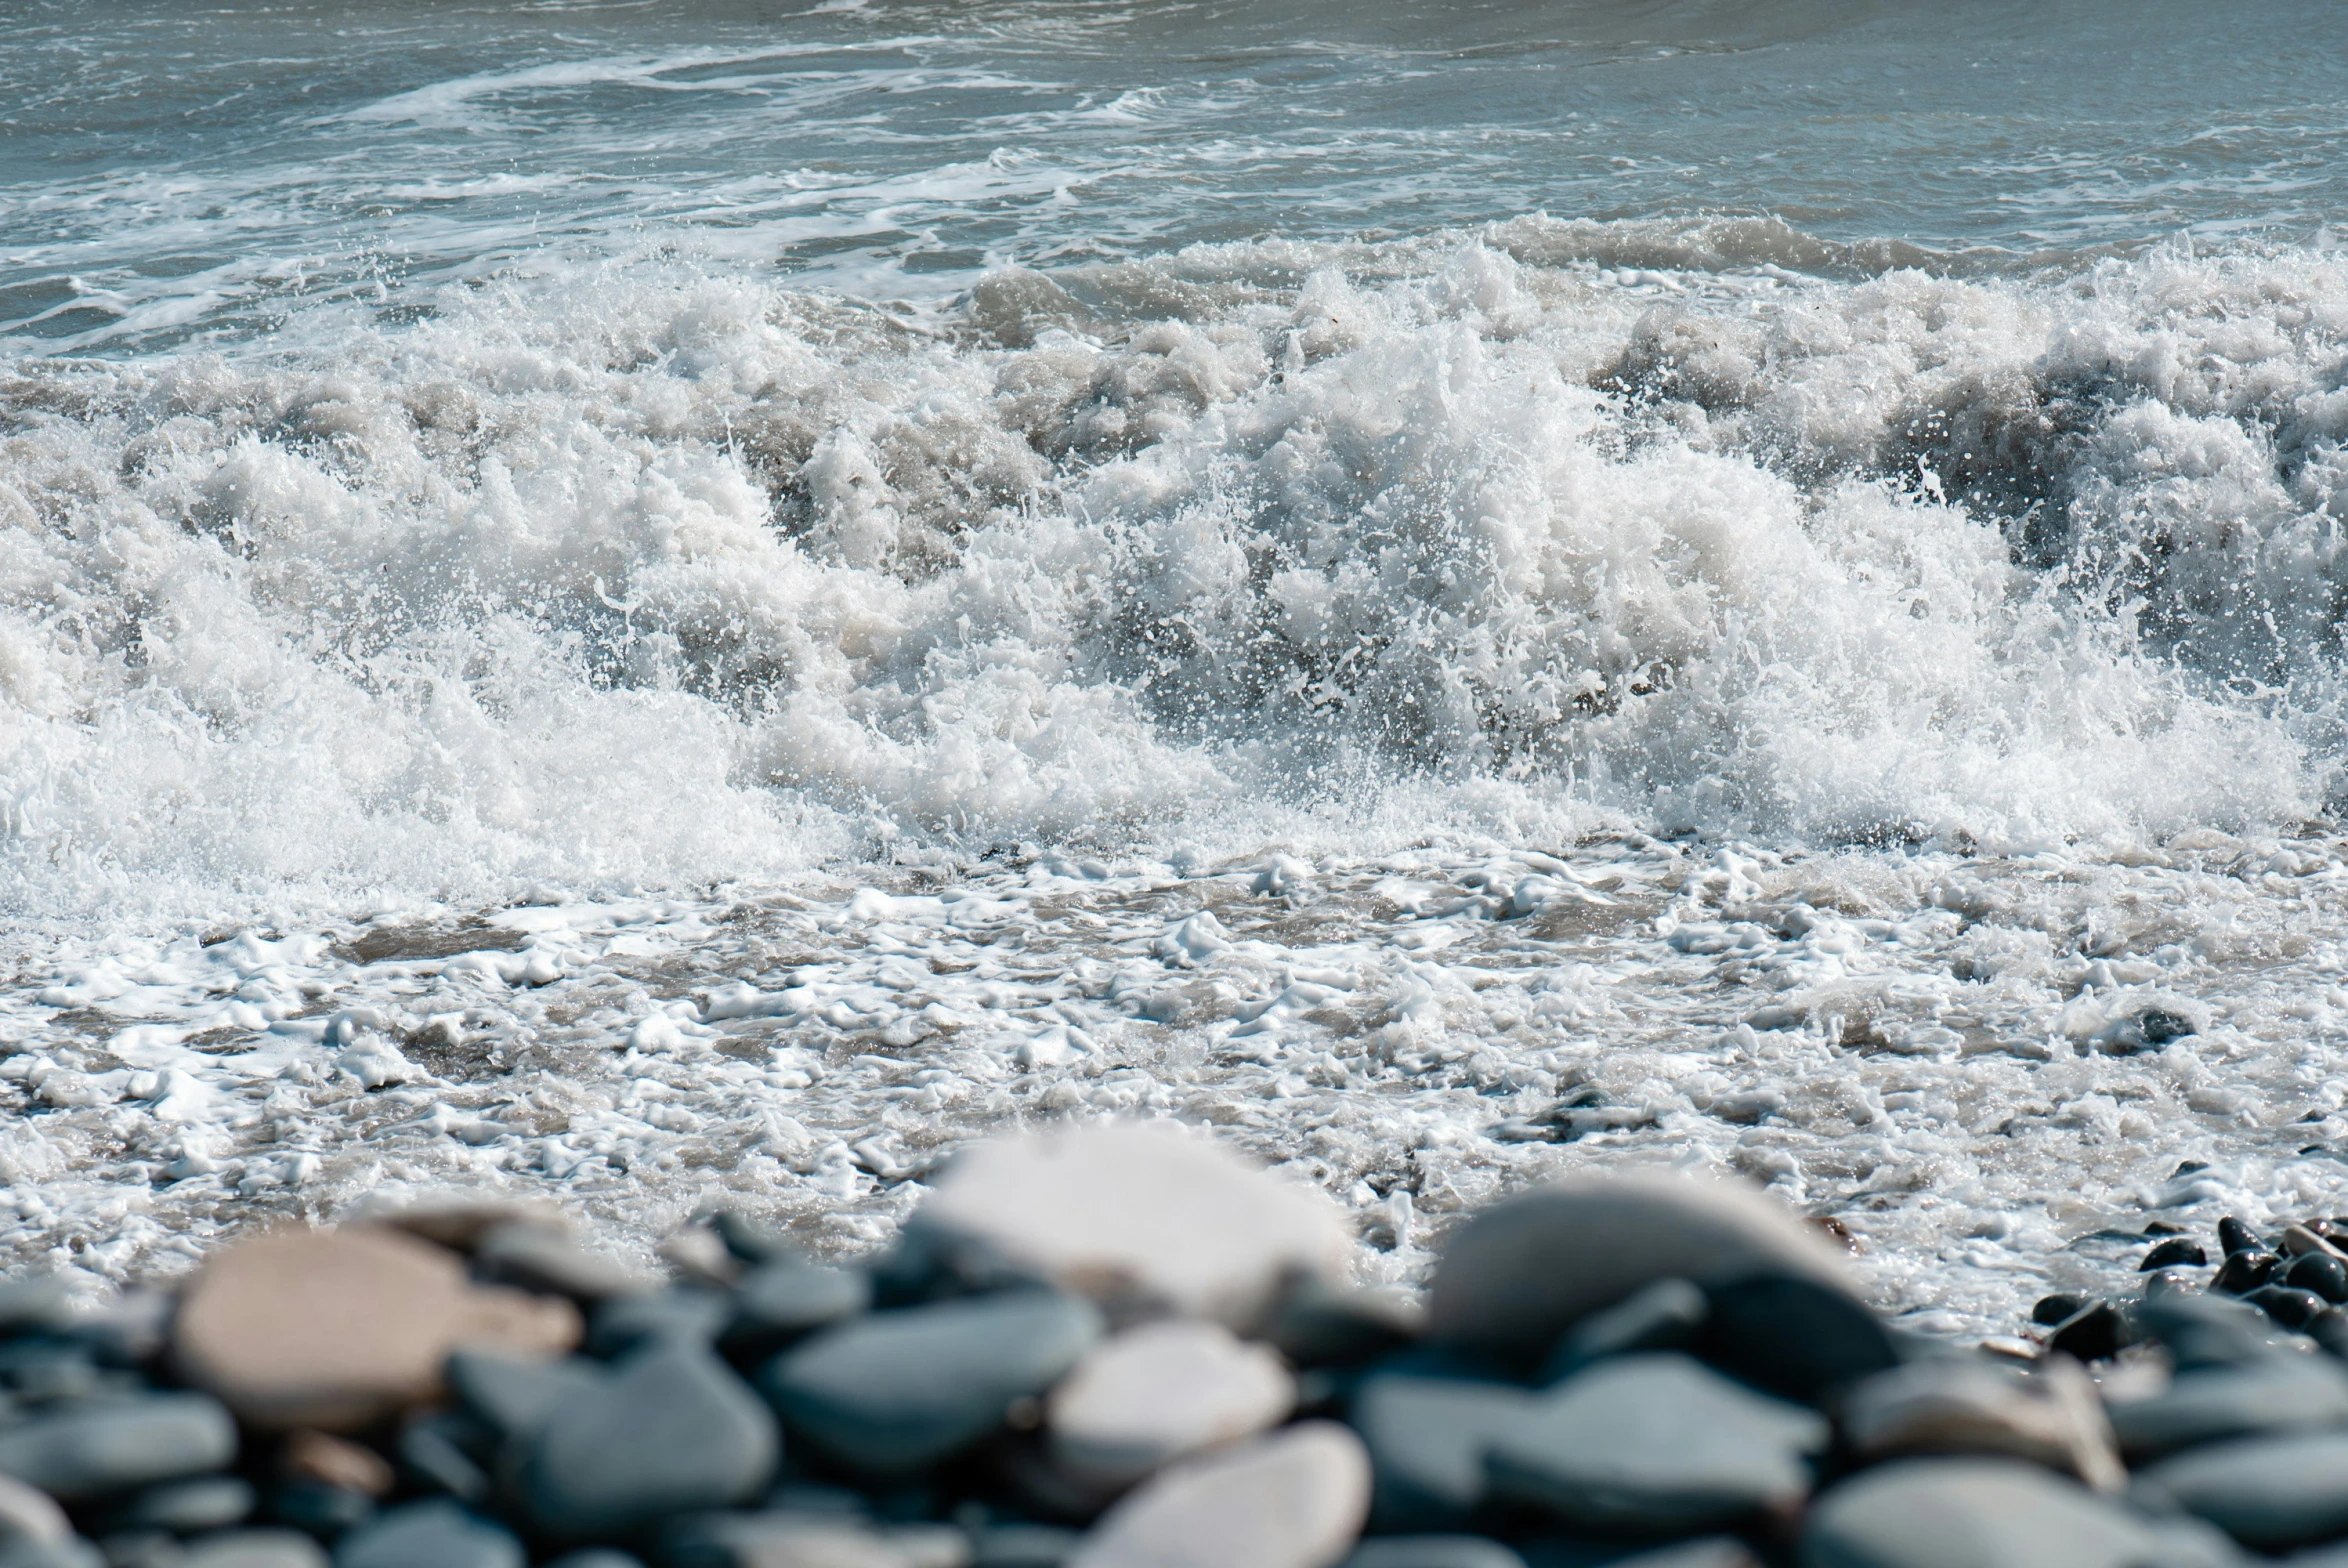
<point>640,574</point>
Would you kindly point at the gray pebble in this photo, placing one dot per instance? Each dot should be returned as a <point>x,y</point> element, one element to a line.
<point>672,1429</point>
<point>255,1549</point>
<point>430,1535</point>
<point>783,1301</point>
<point>896,1391</point>
<point>2209,1403</point>
<point>1433,1551</point>
<point>2269,1493</point>
<point>92,1450</point>
<point>1973,1513</point>
<point>1656,1442</point>
<point>622,1323</point>
<point>1426,1437</point>
<point>512,1396</point>
<point>210,1502</point>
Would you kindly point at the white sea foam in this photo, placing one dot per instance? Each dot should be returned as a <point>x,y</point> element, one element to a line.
<point>381,705</point>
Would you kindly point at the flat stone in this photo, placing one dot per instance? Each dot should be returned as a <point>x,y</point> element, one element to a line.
<point>1426,1438</point>
<point>1141,1215</point>
<point>782,1301</point>
<point>622,1323</point>
<point>1023,1546</point>
<point>92,1450</point>
<point>1792,1335</point>
<point>511,1396</point>
<point>894,1392</point>
<point>430,1535</point>
<point>1321,1323</point>
<point>1968,1405</point>
<point>72,1552</point>
<point>1667,1315</point>
<point>1433,1551</point>
<point>1976,1513</point>
<point>1157,1392</point>
<point>2212,1403</point>
<point>210,1502</point>
<point>2207,1331</point>
<point>29,1514</point>
<point>1659,1443</point>
<point>2269,1493</point>
<point>458,1220</point>
<point>548,1260</point>
<point>671,1430</point>
<point>255,1549</point>
<point>337,1462</point>
<point>1521,1273</point>
<point>785,1539</point>
<point>342,1329</point>
<point>1293,1499</point>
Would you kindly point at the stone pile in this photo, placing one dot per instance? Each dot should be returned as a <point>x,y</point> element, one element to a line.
<point>1123,1347</point>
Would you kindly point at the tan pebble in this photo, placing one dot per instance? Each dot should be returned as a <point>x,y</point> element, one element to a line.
<point>338,1462</point>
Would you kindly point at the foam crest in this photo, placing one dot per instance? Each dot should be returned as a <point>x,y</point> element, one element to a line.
<point>629,575</point>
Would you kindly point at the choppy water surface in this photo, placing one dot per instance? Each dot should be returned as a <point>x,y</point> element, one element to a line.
<point>655,600</point>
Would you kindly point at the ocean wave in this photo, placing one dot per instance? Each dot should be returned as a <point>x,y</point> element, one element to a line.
<point>637,574</point>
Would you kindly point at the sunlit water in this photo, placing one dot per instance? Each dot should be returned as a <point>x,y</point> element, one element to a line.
<point>650,600</point>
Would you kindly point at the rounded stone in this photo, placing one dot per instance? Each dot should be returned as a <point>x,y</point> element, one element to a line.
<point>1521,1273</point>
<point>254,1549</point>
<point>210,1502</point>
<point>2234,1236</point>
<point>782,1301</point>
<point>1968,1405</point>
<point>93,1450</point>
<point>430,1535</point>
<point>1151,1215</point>
<point>2269,1493</point>
<point>1426,1438</point>
<point>2244,1271</point>
<point>2211,1404</point>
<point>671,1430</point>
<point>897,1391</point>
<point>1294,1499</point>
<point>1656,1443</point>
<point>1975,1513</point>
<point>2172,1253</point>
<point>1433,1551</point>
<point>2291,1308</point>
<point>2320,1272</point>
<point>341,1329</point>
<point>30,1514</point>
<point>1155,1393</point>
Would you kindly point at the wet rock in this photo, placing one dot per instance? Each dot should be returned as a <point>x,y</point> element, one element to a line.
<point>1426,1438</point>
<point>2269,1493</point>
<point>255,1549</point>
<point>597,1557</point>
<point>2171,1253</point>
<point>1157,1392</point>
<point>623,1323</point>
<point>1320,1323</point>
<point>782,1301</point>
<point>2234,1236</point>
<point>88,1451</point>
<point>1294,1499</point>
<point>212,1502</point>
<point>2217,1402</point>
<point>2291,1308</point>
<point>2244,1271</point>
<point>897,1391</point>
<point>323,1511</point>
<point>1140,1216</point>
<point>430,1535</point>
<point>1433,1551</point>
<point>2096,1332</point>
<point>1657,1443</point>
<point>1790,1335</point>
<point>341,1329</point>
<point>669,1431</point>
<point>1975,1513</point>
<point>546,1259</point>
<point>2320,1272</point>
<point>2051,1310</point>
<point>1967,1406</point>
<point>1499,1290</point>
<point>1666,1315</point>
<point>2207,1331</point>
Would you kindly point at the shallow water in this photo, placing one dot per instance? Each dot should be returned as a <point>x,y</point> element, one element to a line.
<point>663,601</point>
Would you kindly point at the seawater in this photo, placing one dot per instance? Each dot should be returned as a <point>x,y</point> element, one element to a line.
<point>670,602</point>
